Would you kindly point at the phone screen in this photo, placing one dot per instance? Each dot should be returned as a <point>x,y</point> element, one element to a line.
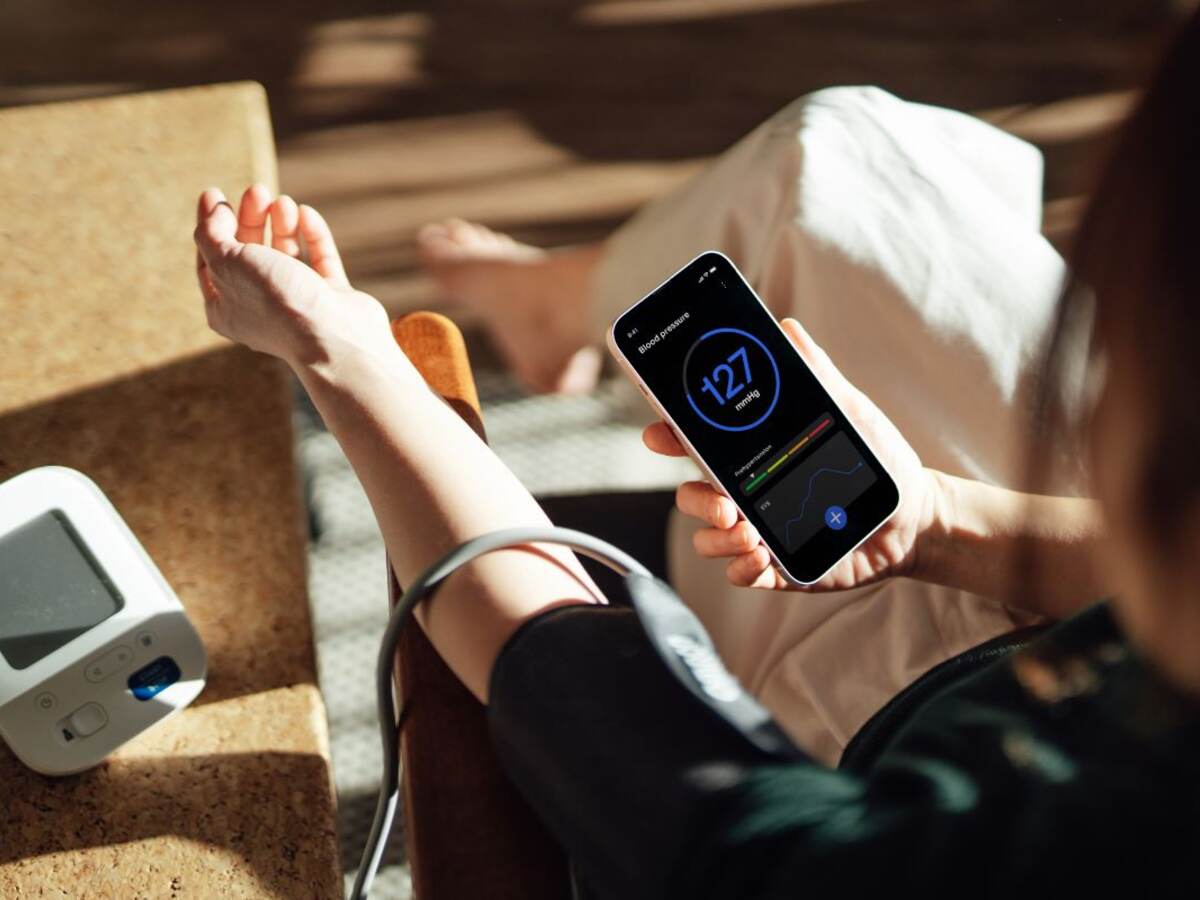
<point>735,387</point>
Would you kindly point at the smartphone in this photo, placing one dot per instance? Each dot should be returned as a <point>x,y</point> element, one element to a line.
<point>717,367</point>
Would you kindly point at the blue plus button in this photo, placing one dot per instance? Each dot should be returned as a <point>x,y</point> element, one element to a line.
<point>835,518</point>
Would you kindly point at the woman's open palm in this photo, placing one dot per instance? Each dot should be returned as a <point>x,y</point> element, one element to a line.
<point>268,297</point>
<point>889,551</point>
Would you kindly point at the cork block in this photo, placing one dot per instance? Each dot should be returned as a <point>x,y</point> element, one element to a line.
<point>107,366</point>
<point>218,802</point>
<point>97,207</point>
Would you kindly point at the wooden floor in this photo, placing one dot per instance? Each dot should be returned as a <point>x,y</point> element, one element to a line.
<point>555,119</point>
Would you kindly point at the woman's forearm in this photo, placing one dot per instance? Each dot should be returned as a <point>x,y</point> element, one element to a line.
<point>1031,551</point>
<point>431,481</point>
<point>432,484</point>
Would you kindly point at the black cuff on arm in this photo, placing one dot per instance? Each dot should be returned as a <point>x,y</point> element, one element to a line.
<point>623,763</point>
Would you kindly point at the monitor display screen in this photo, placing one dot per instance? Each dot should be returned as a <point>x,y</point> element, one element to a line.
<point>52,589</point>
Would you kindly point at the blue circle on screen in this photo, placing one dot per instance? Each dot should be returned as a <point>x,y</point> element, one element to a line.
<point>774,368</point>
<point>835,518</point>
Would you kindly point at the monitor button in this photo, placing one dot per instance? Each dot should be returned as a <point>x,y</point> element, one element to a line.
<point>150,681</point>
<point>87,720</point>
<point>113,661</point>
<point>45,701</point>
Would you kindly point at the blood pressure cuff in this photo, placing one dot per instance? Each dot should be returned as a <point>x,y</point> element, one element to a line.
<point>627,735</point>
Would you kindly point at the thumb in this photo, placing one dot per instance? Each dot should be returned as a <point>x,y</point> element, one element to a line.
<point>659,438</point>
<point>818,360</point>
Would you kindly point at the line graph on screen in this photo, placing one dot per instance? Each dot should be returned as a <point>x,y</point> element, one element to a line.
<point>787,528</point>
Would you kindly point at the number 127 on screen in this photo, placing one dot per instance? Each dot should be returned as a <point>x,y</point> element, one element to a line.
<point>731,387</point>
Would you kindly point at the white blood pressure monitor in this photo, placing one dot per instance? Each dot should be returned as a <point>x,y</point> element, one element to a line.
<point>94,645</point>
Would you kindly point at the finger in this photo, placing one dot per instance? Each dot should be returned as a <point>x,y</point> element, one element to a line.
<point>285,219</point>
<point>751,569</point>
<point>252,214</point>
<point>207,288</point>
<point>323,253</point>
<point>661,439</point>
<point>700,500</point>
<point>213,205</point>
<point>719,542</point>
<point>818,360</point>
<point>210,199</point>
<point>216,226</point>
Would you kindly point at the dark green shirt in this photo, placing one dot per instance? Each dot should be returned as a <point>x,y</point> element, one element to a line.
<point>1069,768</point>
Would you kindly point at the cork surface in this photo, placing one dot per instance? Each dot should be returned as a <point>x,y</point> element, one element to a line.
<point>106,366</point>
<point>97,207</point>
<point>225,800</point>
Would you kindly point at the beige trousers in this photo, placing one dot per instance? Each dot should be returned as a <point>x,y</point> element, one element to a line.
<point>906,239</point>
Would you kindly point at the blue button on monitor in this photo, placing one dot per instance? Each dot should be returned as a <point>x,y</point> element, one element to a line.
<point>150,681</point>
<point>835,517</point>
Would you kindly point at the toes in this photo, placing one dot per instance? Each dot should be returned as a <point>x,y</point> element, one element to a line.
<point>455,241</point>
<point>433,231</point>
<point>435,245</point>
<point>486,239</point>
<point>285,220</point>
<point>475,237</point>
<point>581,373</point>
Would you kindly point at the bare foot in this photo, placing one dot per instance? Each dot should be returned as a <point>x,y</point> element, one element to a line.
<point>534,302</point>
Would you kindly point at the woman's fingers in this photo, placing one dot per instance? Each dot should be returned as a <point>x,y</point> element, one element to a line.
<point>285,220</point>
<point>215,235</point>
<point>323,253</point>
<point>699,500</point>
<point>661,439</point>
<point>290,223</point>
<point>252,214</point>
<point>752,569</point>
<point>207,288</point>
<point>720,542</point>
<point>216,226</point>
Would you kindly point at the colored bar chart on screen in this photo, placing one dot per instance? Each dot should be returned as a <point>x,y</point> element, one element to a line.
<point>772,466</point>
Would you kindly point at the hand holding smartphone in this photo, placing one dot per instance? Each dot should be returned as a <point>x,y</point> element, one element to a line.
<point>717,367</point>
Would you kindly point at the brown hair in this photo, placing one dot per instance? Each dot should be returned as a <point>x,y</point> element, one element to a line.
<point>1138,250</point>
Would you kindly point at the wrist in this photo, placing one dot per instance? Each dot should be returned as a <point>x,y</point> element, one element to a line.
<point>338,329</point>
<point>334,365</point>
<point>932,547</point>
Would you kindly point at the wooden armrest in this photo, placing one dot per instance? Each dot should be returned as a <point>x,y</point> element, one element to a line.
<point>435,346</point>
<point>468,832</point>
